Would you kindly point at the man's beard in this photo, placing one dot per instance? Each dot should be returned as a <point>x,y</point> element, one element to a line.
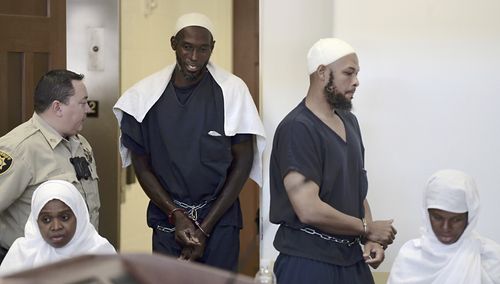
<point>335,99</point>
<point>188,76</point>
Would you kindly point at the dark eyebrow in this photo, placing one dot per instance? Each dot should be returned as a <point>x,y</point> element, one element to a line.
<point>61,212</point>
<point>66,211</point>
<point>184,42</point>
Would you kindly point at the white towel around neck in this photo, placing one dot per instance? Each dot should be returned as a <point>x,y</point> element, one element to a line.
<point>240,113</point>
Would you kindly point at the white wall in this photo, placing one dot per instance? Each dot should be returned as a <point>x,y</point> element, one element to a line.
<point>427,99</point>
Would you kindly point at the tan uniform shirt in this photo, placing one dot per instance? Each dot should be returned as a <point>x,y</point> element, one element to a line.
<point>33,153</point>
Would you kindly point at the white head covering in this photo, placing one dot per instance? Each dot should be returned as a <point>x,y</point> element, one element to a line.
<point>472,259</point>
<point>194,19</point>
<point>445,191</point>
<point>32,250</point>
<point>326,51</point>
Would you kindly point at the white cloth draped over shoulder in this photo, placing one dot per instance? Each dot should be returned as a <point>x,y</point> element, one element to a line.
<point>472,259</point>
<point>32,250</point>
<point>240,113</point>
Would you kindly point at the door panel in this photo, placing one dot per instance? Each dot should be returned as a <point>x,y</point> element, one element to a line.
<point>24,8</point>
<point>246,66</point>
<point>32,41</point>
<point>11,64</point>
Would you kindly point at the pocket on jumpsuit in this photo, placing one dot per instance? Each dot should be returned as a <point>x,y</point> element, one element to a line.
<point>215,150</point>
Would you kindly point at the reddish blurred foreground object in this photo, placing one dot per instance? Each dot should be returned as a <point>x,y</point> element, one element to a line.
<point>125,269</point>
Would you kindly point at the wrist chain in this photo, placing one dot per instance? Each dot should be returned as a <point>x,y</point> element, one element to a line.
<point>192,213</point>
<point>326,237</point>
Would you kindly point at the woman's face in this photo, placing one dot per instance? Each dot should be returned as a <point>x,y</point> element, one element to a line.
<point>447,226</point>
<point>57,223</point>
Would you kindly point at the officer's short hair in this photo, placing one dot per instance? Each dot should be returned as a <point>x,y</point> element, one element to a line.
<point>55,85</point>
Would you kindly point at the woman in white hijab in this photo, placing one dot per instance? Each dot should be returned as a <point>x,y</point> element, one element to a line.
<point>58,227</point>
<point>449,250</point>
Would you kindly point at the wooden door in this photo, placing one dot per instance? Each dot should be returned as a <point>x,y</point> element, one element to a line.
<point>246,66</point>
<point>32,41</point>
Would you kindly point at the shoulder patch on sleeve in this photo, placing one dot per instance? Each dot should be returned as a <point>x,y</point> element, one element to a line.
<point>5,162</point>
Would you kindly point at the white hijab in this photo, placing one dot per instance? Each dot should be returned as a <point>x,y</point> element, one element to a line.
<point>32,251</point>
<point>472,259</point>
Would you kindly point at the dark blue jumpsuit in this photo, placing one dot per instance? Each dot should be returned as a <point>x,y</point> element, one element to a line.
<point>190,163</point>
<point>303,143</point>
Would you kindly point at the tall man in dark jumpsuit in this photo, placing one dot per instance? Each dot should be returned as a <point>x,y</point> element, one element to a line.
<point>318,181</point>
<point>194,137</point>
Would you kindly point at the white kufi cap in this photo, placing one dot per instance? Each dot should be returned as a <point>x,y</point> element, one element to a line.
<point>326,51</point>
<point>194,19</point>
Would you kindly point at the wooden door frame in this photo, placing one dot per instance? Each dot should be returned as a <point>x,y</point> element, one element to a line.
<point>246,66</point>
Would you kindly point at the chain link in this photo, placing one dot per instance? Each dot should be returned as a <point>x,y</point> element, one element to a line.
<point>191,210</point>
<point>326,237</point>
<point>165,229</point>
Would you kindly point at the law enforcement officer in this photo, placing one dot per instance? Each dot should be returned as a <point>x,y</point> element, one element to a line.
<point>46,147</point>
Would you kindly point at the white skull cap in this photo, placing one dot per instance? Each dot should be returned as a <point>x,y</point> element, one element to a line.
<point>326,51</point>
<point>194,19</point>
